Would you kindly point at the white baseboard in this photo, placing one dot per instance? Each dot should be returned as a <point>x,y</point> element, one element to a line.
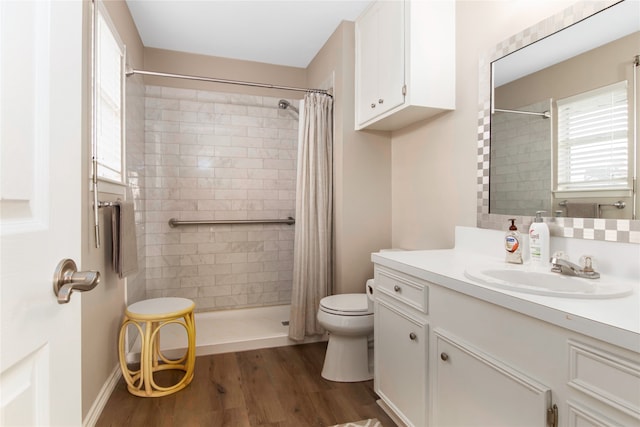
<point>103,397</point>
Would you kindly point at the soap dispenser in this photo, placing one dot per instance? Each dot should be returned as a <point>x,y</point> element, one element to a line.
<point>512,244</point>
<point>539,241</point>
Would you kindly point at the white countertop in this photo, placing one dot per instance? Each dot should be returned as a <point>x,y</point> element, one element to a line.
<point>615,320</point>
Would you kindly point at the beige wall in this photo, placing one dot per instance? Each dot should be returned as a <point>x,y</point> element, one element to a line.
<point>362,169</point>
<point>434,162</point>
<point>169,61</point>
<point>102,308</point>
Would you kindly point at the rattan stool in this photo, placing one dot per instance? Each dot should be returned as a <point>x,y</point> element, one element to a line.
<point>149,316</point>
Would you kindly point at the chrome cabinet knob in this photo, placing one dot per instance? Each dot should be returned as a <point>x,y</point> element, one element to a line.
<point>412,336</point>
<point>380,101</point>
<point>397,288</point>
<point>444,356</point>
<point>373,105</point>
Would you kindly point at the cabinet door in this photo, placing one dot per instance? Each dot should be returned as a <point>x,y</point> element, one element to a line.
<point>367,64</point>
<point>400,346</point>
<point>473,389</point>
<point>391,56</point>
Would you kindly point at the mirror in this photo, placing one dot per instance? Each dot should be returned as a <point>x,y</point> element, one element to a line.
<point>531,61</point>
<point>532,165</point>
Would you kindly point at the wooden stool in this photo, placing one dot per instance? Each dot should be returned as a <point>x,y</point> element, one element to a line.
<point>149,316</point>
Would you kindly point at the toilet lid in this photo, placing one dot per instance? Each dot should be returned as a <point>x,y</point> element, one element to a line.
<point>346,304</point>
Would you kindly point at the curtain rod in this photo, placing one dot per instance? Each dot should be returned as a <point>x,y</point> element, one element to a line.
<point>131,71</point>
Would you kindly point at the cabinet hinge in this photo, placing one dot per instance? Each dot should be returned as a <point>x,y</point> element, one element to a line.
<point>552,416</point>
<point>404,90</point>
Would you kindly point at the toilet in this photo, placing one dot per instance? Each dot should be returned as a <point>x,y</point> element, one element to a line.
<point>348,318</point>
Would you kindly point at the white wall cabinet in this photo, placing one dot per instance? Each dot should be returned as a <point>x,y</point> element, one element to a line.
<point>483,364</point>
<point>405,63</point>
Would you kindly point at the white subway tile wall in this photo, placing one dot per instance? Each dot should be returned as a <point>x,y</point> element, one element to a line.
<point>520,162</point>
<point>219,156</point>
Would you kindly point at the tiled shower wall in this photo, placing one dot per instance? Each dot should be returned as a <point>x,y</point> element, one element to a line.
<point>520,162</point>
<point>217,156</point>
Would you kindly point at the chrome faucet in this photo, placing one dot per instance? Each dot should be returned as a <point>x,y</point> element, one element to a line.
<point>568,268</point>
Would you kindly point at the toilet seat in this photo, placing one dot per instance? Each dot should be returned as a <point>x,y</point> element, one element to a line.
<point>346,305</point>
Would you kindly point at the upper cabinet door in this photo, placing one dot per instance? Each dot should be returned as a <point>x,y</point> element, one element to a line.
<point>367,62</point>
<point>405,63</point>
<point>391,61</point>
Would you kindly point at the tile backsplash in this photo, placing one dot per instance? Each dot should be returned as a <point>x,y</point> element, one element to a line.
<point>219,156</point>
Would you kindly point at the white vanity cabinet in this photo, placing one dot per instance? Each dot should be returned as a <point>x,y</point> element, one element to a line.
<point>486,364</point>
<point>471,388</point>
<point>405,63</point>
<point>400,360</point>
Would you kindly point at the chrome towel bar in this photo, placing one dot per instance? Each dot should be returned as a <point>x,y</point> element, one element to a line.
<point>619,204</point>
<point>102,204</point>
<point>173,222</point>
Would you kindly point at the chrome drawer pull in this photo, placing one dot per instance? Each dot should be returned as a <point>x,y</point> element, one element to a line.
<point>444,356</point>
<point>397,288</point>
<point>412,336</point>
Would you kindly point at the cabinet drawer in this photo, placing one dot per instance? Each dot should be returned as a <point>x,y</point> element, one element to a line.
<point>402,288</point>
<point>605,377</point>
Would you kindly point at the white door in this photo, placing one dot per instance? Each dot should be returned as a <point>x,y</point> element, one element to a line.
<point>40,206</point>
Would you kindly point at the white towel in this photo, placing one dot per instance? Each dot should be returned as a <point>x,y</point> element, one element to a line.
<point>123,234</point>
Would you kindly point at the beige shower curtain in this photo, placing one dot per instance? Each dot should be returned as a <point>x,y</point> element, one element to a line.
<point>312,248</point>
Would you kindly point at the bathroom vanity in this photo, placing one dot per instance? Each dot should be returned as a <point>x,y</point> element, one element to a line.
<point>451,351</point>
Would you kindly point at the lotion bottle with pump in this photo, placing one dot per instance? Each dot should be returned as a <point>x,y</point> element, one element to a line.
<point>539,241</point>
<point>512,244</point>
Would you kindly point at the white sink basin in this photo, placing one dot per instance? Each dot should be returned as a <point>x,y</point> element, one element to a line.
<point>520,279</point>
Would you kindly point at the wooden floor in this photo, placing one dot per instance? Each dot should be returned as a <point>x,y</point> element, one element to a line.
<point>269,387</point>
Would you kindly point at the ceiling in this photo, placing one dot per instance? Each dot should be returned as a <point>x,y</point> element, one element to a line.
<point>288,32</point>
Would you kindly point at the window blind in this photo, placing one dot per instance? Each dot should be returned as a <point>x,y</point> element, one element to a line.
<point>593,139</point>
<point>109,59</point>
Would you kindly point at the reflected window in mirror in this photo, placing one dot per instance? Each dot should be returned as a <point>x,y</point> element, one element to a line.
<point>593,140</point>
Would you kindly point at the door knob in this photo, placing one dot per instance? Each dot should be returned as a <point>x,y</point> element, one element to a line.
<point>67,279</point>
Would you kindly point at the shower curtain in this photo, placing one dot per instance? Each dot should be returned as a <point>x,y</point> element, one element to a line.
<point>313,242</point>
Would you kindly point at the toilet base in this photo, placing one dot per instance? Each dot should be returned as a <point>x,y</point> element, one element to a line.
<point>347,359</point>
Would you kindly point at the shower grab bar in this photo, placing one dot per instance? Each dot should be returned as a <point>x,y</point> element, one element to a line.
<point>545,114</point>
<point>173,222</point>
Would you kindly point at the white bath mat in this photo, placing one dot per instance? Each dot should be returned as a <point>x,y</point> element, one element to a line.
<point>371,422</point>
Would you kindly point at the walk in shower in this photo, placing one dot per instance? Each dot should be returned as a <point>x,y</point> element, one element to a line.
<point>219,156</point>
<point>216,156</point>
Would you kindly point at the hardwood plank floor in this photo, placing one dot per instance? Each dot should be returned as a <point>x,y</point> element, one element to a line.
<point>273,387</point>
